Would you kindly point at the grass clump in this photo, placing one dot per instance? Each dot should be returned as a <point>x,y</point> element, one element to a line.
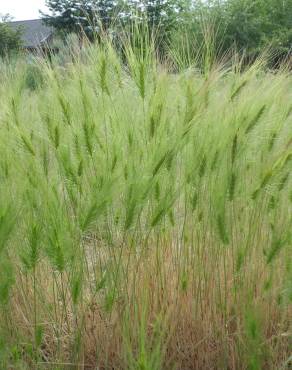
<point>145,217</point>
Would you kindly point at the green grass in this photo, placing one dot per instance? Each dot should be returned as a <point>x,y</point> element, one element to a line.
<point>145,218</point>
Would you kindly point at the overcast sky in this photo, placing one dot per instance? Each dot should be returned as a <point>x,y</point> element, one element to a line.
<point>22,9</point>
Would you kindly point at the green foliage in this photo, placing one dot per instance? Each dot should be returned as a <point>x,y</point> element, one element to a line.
<point>10,40</point>
<point>34,77</point>
<point>246,26</point>
<point>96,16</point>
<point>6,280</point>
<point>89,16</point>
<point>161,16</point>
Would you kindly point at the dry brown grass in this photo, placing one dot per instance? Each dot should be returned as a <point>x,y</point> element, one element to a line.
<point>204,322</point>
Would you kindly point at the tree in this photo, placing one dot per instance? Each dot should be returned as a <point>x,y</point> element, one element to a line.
<point>162,16</point>
<point>87,16</point>
<point>73,16</point>
<point>249,26</point>
<point>10,40</point>
<point>256,24</point>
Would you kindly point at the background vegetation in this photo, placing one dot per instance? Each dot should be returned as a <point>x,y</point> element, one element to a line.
<point>10,40</point>
<point>247,26</point>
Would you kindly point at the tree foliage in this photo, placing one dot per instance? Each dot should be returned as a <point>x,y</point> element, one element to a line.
<point>70,16</point>
<point>159,14</point>
<point>249,26</point>
<point>90,15</point>
<point>10,39</point>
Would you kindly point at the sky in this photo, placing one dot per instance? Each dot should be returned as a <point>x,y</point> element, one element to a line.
<point>22,9</point>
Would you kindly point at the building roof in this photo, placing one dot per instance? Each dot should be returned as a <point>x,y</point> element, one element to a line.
<point>34,32</point>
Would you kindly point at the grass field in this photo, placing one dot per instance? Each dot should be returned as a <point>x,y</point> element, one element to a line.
<point>145,218</point>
